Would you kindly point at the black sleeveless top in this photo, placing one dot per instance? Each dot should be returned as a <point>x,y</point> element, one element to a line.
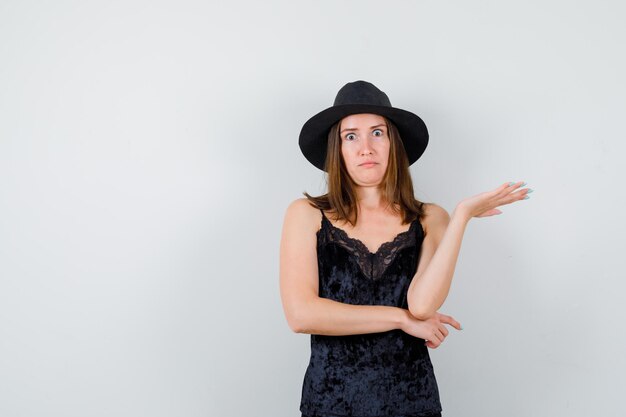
<point>376,374</point>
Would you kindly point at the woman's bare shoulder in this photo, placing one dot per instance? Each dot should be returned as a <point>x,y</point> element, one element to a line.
<point>435,216</point>
<point>302,215</point>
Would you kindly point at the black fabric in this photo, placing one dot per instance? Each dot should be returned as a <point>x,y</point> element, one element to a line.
<point>376,374</point>
<point>430,415</point>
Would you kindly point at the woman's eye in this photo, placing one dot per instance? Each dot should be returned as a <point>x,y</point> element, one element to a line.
<point>350,136</point>
<point>380,132</point>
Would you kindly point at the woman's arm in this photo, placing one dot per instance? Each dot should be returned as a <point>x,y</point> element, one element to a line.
<point>431,283</point>
<point>305,311</point>
<point>332,318</point>
<point>440,250</point>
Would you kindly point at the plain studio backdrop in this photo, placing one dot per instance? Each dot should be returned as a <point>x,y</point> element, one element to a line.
<point>148,151</point>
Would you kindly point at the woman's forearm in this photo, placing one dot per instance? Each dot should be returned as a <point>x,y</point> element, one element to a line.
<point>427,292</point>
<point>328,317</point>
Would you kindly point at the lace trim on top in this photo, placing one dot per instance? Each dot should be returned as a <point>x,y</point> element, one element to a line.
<point>373,265</point>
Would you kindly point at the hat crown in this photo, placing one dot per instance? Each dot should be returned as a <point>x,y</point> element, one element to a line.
<point>361,92</point>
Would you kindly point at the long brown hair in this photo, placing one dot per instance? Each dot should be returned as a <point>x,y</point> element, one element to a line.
<point>396,185</point>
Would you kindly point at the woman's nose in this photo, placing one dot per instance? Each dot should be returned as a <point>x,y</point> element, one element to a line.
<point>366,147</point>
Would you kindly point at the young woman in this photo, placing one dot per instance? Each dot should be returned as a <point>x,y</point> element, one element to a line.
<point>365,267</point>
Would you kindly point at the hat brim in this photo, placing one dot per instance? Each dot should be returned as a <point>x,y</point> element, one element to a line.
<point>313,138</point>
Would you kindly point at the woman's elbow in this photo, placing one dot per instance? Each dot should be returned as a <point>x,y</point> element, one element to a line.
<point>301,314</point>
<point>420,312</point>
<point>297,322</point>
<point>297,327</point>
<point>293,325</point>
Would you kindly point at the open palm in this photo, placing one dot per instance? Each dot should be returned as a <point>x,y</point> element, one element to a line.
<point>486,203</point>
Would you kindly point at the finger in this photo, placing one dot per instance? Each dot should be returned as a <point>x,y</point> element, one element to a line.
<point>444,318</point>
<point>438,335</point>
<point>510,197</point>
<point>432,343</point>
<point>515,196</point>
<point>517,191</point>
<point>443,330</point>
<point>451,321</point>
<point>435,336</point>
<point>455,324</point>
<point>508,189</point>
<point>504,186</point>
<point>489,213</point>
<point>515,185</point>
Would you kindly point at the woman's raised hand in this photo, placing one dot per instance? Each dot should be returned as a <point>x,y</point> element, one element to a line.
<point>484,204</point>
<point>431,330</point>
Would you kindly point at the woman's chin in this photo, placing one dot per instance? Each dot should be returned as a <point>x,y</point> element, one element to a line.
<point>368,180</point>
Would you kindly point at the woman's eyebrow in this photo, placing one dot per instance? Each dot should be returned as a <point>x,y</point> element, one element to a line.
<point>354,128</point>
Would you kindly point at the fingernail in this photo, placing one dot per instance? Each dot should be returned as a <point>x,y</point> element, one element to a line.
<point>523,184</point>
<point>511,183</point>
<point>530,190</point>
<point>526,198</point>
<point>461,327</point>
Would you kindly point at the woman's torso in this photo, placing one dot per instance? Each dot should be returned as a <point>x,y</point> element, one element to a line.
<point>375,374</point>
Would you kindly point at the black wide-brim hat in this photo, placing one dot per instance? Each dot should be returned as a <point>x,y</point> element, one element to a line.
<point>361,97</point>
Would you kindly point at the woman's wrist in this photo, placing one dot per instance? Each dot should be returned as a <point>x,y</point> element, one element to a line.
<point>403,318</point>
<point>461,214</point>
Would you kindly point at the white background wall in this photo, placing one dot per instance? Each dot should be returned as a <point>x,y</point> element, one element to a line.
<point>148,150</point>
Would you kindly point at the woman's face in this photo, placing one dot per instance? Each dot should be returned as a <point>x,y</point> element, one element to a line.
<point>365,147</point>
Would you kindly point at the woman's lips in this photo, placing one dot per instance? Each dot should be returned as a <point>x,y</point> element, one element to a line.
<point>368,164</point>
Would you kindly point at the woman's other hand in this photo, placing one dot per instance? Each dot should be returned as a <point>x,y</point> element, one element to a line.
<point>484,204</point>
<point>432,330</point>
